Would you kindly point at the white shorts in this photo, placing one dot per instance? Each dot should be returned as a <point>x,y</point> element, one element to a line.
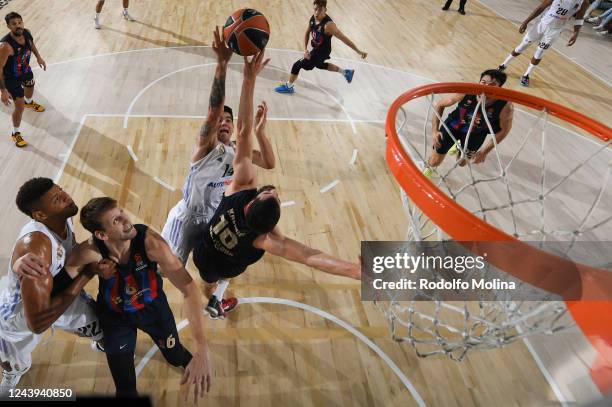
<point>17,342</point>
<point>183,229</point>
<point>543,34</point>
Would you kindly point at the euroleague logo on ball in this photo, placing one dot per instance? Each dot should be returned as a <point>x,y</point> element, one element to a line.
<point>246,31</point>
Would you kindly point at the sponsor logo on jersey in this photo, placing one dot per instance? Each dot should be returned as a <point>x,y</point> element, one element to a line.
<point>140,265</point>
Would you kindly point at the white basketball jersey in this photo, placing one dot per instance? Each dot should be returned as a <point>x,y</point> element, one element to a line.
<point>207,180</point>
<point>10,297</point>
<point>559,12</point>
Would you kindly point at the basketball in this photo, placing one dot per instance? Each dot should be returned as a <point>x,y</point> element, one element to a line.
<point>246,31</point>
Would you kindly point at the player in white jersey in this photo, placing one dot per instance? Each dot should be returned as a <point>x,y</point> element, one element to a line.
<point>210,169</point>
<point>32,304</point>
<point>547,30</point>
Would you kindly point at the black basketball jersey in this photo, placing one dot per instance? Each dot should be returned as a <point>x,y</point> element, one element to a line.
<point>136,284</point>
<point>319,40</point>
<point>18,64</point>
<point>228,240</point>
<point>461,118</point>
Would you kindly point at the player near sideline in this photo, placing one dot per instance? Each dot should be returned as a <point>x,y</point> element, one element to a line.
<point>50,297</point>
<point>244,225</point>
<point>547,30</point>
<point>211,166</point>
<point>17,80</point>
<point>459,123</point>
<point>320,30</point>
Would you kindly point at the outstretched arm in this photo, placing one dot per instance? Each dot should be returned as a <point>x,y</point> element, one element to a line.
<point>332,29</point>
<point>197,371</point>
<point>279,245</point>
<point>536,12</point>
<point>40,310</point>
<point>264,158</point>
<point>440,106</point>
<point>207,138</point>
<point>244,172</point>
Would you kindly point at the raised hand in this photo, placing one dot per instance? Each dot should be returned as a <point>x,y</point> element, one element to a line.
<point>253,67</point>
<point>224,53</point>
<point>261,117</point>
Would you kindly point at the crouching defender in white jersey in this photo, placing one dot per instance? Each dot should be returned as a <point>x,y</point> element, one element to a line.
<point>547,30</point>
<point>33,303</point>
<point>211,169</point>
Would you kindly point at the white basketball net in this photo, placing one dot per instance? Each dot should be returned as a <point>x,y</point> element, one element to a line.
<point>453,328</point>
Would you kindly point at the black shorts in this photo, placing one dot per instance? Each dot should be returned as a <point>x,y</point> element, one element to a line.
<point>15,85</point>
<point>212,271</point>
<point>120,330</point>
<point>317,60</point>
<point>475,142</point>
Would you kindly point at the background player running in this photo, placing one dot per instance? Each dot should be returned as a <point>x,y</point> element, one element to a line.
<point>320,30</point>
<point>547,30</point>
<point>244,225</point>
<point>17,81</point>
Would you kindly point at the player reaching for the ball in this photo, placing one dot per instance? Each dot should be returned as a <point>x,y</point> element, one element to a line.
<point>321,29</point>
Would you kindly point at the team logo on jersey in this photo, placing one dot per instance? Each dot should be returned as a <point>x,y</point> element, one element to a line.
<point>60,252</point>
<point>139,263</point>
<point>129,290</point>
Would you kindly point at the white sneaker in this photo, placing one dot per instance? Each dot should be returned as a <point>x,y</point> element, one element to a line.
<point>9,381</point>
<point>98,346</point>
<point>603,32</point>
<point>97,23</point>
<point>592,20</point>
<point>127,16</point>
<point>599,28</point>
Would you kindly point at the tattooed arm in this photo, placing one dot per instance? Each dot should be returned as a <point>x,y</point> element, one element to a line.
<point>207,139</point>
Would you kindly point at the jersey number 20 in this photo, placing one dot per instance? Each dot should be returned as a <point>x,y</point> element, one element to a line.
<point>562,11</point>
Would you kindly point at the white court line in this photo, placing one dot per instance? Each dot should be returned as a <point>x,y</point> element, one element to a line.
<point>288,203</point>
<point>354,157</point>
<point>131,153</point>
<point>317,311</point>
<point>329,186</point>
<point>143,90</point>
<point>164,184</point>
<point>69,151</point>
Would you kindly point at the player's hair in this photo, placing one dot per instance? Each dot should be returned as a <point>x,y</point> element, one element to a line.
<point>11,16</point>
<point>320,3</point>
<point>30,193</point>
<point>496,74</point>
<point>263,214</point>
<point>93,211</point>
<point>229,110</point>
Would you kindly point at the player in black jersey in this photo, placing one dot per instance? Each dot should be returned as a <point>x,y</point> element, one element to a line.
<point>466,125</point>
<point>244,225</point>
<point>461,9</point>
<point>320,31</point>
<point>132,298</point>
<point>17,78</point>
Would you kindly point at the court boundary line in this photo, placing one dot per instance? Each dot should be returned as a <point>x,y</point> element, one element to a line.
<point>324,314</point>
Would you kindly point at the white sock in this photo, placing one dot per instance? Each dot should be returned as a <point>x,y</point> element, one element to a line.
<point>16,130</point>
<point>529,69</point>
<point>97,15</point>
<point>125,11</point>
<point>341,71</point>
<point>28,100</point>
<point>507,60</point>
<point>221,286</point>
<point>289,84</point>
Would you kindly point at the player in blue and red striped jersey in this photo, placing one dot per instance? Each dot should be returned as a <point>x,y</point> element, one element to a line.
<point>17,80</point>
<point>132,297</point>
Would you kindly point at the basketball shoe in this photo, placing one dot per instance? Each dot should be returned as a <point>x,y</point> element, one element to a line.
<point>217,309</point>
<point>284,88</point>
<point>501,68</point>
<point>35,106</point>
<point>525,80</point>
<point>453,150</point>
<point>97,22</point>
<point>127,15</point>
<point>9,381</point>
<point>18,140</point>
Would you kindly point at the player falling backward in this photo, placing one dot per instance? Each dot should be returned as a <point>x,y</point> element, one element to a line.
<point>547,30</point>
<point>244,225</point>
<point>210,168</point>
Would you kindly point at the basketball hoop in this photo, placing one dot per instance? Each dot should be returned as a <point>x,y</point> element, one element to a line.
<point>434,212</point>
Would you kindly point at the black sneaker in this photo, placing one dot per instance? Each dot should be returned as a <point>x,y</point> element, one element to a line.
<point>461,11</point>
<point>502,68</point>
<point>525,80</point>
<point>215,308</point>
